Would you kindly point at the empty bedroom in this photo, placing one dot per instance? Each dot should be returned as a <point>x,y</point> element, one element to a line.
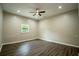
<point>39,29</point>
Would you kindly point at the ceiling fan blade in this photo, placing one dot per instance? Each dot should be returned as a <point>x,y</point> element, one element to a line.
<point>39,14</point>
<point>42,12</point>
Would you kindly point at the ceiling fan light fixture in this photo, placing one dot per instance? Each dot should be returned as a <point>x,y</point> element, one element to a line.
<point>37,12</point>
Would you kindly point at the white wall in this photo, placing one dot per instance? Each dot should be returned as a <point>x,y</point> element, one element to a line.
<point>78,9</point>
<point>62,28</point>
<point>12,29</point>
<point>0,26</point>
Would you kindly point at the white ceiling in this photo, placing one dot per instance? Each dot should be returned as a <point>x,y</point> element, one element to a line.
<point>50,8</point>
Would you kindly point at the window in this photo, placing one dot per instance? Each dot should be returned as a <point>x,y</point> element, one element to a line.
<point>24,28</point>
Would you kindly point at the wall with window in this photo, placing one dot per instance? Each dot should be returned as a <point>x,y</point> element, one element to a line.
<point>12,28</point>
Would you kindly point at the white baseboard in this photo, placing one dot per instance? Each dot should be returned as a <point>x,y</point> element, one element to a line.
<point>63,43</point>
<point>42,38</point>
<point>68,44</point>
<point>17,41</point>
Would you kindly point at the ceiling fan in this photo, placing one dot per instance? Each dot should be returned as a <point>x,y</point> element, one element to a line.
<point>37,12</point>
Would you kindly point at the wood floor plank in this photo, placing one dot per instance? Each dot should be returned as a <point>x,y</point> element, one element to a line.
<point>38,48</point>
